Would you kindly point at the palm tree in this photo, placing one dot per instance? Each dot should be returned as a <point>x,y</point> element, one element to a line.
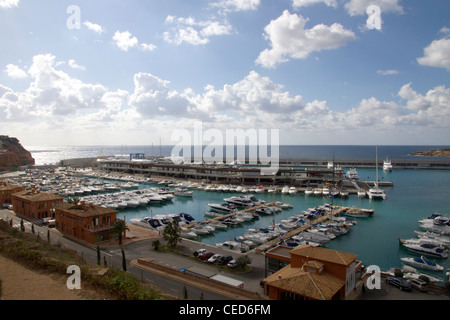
<point>172,233</point>
<point>119,227</point>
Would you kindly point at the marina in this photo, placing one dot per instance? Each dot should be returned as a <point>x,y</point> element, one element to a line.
<point>374,236</point>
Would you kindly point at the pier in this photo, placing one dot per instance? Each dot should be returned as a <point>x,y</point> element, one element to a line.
<point>336,211</point>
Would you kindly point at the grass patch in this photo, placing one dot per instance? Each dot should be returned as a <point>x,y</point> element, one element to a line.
<point>41,256</point>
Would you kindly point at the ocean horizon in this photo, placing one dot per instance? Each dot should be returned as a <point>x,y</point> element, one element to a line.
<point>52,155</point>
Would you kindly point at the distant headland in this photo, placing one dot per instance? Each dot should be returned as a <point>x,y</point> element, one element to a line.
<point>433,153</point>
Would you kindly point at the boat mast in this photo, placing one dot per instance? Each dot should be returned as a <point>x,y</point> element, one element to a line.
<point>376,165</point>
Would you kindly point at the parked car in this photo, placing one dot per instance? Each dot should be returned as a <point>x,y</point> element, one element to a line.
<point>223,260</point>
<point>419,284</point>
<point>206,255</point>
<point>232,264</point>
<point>214,258</point>
<point>400,283</point>
<point>199,252</point>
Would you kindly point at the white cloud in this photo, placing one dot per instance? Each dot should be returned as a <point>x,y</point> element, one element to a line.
<point>7,4</point>
<point>124,40</point>
<point>387,72</point>
<point>61,105</point>
<point>147,47</point>
<point>237,5</point>
<point>94,27</point>
<point>296,4</point>
<point>290,40</point>
<point>15,72</point>
<point>437,54</point>
<point>194,32</point>
<point>359,7</point>
<point>74,65</point>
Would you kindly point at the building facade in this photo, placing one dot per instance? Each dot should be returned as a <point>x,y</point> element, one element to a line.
<point>34,204</point>
<point>309,273</point>
<point>6,192</point>
<point>86,222</point>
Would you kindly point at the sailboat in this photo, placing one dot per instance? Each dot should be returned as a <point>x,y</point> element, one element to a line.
<point>375,192</point>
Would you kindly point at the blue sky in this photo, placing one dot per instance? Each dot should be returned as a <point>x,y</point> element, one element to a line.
<point>131,72</point>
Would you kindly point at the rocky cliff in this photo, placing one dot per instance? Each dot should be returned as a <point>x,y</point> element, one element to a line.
<point>13,155</point>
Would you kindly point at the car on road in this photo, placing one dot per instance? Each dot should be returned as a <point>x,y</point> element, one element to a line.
<point>206,255</point>
<point>232,264</point>
<point>223,260</point>
<point>419,284</point>
<point>214,258</point>
<point>400,283</point>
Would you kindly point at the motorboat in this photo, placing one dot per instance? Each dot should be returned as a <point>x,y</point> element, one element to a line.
<point>188,234</point>
<point>272,190</point>
<point>422,240</point>
<point>247,201</point>
<point>352,174</point>
<point>387,165</point>
<point>326,191</point>
<point>183,192</point>
<point>324,232</point>
<point>309,191</point>
<point>222,207</point>
<point>422,262</point>
<point>358,213</point>
<point>149,223</point>
<point>433,236</point>
<point>200,230</point>
<point>375,192</point>
<point>344,192</point>
<point>314,237</point>
<point>334,192</point>
<point>317,191</point>
<point>292,190</point>
<point>426,248</point>
<point>436,223</point>
<point>362,193</point>
<point>285,190</point>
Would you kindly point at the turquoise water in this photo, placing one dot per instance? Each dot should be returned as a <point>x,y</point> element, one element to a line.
<point>416,194</point>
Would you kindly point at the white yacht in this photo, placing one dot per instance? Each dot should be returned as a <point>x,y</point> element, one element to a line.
<point>285,190</point>
<point>309,191</point>
<point>352,174</point>
<point>222,207</point>
<point>422,262</point>
<point>292,190</point>
<point>387,165</point>
<point>375,192</point>
<point>430,249</point>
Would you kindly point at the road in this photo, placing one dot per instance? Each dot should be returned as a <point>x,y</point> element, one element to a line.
<point>142,249</point>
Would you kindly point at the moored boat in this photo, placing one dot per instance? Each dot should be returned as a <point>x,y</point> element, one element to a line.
<point>422,262</point>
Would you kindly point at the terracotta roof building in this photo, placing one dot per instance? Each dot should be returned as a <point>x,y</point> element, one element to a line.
<point>34,204</point>
<point>6,191</point>
<point>314,273</point>
<point>86,222</point>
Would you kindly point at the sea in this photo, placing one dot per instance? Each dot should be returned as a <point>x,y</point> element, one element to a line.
<point>416,194</point>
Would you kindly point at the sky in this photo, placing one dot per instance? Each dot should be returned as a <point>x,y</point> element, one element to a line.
<point>135,72</point>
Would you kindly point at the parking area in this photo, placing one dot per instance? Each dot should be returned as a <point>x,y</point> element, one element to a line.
<point>391,292</point>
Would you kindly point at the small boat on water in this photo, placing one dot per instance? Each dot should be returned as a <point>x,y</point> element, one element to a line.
<point>358,213</point>
<point>309,191</point>
<point>344,192</point>
<point>292,190</point>
<point>222,207</point>
<point>387,165</point>
<point>426,248</point>
<point>285,190</point>
<point>183,192</point>
<point>422,262</point>
<point>362,193</point>
<point>352,174</point>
